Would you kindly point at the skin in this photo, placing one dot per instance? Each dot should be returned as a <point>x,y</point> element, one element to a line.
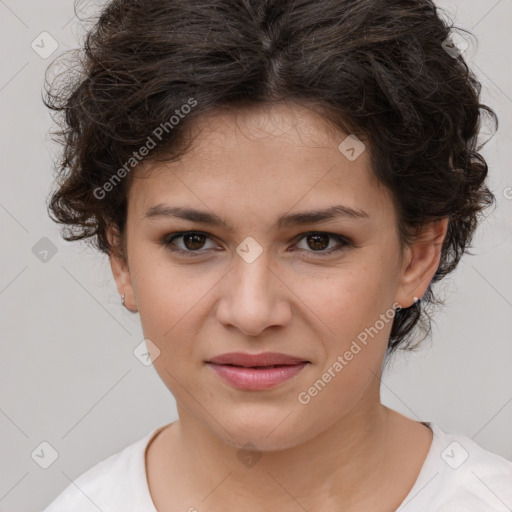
<point>343,450</point>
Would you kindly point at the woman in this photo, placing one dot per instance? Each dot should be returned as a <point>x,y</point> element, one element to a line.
<point>277,185</point>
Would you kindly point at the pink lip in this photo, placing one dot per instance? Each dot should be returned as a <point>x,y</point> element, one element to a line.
<point>244,371</point>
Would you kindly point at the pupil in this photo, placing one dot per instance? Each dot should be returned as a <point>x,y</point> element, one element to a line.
<point>194,236</point>
<point>315,244</point>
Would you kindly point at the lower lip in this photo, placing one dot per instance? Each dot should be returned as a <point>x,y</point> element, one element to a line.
<point>254,378</point>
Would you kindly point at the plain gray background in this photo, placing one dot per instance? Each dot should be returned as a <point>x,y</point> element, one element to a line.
<point>68,373</point>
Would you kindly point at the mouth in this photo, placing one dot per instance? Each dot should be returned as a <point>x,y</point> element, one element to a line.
<point>265,359</point>
<point>260,367</point>
<point>256,372</point>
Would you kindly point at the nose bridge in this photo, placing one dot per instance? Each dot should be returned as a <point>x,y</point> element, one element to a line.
<point>252,262</point>
<point>251,299</point>
<point>252,276</point>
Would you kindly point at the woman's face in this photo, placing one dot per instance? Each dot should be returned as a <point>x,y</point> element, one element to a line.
<point>258,284</point>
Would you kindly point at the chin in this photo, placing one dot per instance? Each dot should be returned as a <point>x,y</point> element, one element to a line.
<point>266,431</point>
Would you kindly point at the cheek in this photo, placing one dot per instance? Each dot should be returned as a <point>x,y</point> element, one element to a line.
<point>351,303</point>
<point>351,298</point>
<point>173,306</point>
<point>166,291</point>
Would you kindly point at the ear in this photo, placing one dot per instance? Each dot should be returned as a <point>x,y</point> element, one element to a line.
<point>120,269</point>
<point>421,261</point>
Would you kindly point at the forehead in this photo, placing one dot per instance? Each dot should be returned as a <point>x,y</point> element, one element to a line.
<point>269,158</point>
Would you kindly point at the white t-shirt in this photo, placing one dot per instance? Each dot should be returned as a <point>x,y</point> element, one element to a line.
<point>458,475</point>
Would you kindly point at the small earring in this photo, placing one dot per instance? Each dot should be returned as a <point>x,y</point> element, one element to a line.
<point>122,300</point>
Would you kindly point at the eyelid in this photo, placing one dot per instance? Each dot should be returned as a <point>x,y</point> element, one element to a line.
<point>169,239</point>
<point>345,242</point>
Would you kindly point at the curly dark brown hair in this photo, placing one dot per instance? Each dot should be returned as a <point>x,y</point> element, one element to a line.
<point>377,69</point>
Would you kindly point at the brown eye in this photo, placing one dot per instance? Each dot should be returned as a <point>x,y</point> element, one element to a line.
<point>193,241</point>
<point>189,242</point>
<point>318,241</point>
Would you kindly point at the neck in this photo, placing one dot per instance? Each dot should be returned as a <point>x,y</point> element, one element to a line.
<point>337,467</point>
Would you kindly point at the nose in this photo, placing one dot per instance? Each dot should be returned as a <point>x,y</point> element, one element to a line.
<point>254,297</point>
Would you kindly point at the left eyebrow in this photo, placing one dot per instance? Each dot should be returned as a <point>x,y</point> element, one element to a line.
<point>291,219</point>
<point>312,216</point>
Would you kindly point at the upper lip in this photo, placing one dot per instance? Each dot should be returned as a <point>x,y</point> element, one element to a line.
<point>263,359</point>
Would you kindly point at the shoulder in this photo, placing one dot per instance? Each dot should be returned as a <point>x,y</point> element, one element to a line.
<point>117,482</point>
<point>483,477</point>
<point>466,477</point>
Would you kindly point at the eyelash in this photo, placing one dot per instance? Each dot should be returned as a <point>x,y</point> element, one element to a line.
<point>169,239</point>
